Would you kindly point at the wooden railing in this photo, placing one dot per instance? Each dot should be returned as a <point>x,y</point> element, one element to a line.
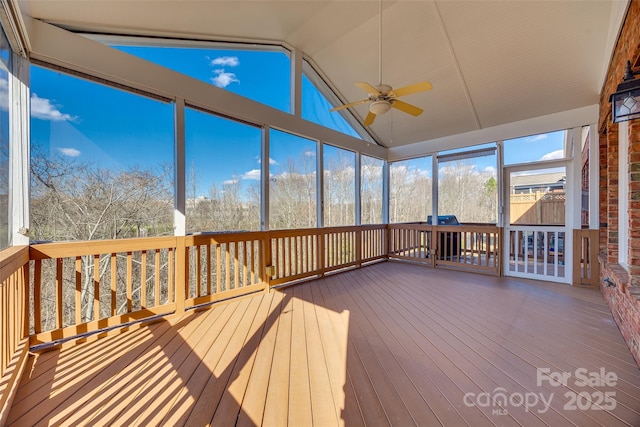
<point>412,242</point>
<point>313,252</point>
<point>373,245</point>
<point>475,247</point>
<point>14,330</point>
<point>295,254</point>
<point>80,287</point>
<point>55,292</point>
<point>585,257</point>
<point>222,266</point>
<point>467,247</point>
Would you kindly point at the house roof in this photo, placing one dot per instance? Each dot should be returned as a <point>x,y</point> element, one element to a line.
<point>537,179</point>
<point>491,63</point>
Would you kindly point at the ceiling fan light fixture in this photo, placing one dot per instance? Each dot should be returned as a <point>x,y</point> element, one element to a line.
<point>379,107</point>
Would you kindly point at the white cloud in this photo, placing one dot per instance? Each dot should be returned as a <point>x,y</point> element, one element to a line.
<point>536,138</point>
<point>287,175</point>
<point>408,175</point>
<point>271,161</point>
<point>253,174</point>
<point>490,170</point>
<point>224,79</point>
<point>41,108</point>
<point>230,181</point>
<point>458,169</point>
<point>71,152</point>
<point>309,153</point>
<point>226,61</point>
<point>558,154</point>
<point>341,171</point>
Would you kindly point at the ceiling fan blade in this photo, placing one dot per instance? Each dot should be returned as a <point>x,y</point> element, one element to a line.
<point>414,88</point>
<point>407,108</point>
<point>368,88</point>
<point>369,119</point>
<point>351,104</point>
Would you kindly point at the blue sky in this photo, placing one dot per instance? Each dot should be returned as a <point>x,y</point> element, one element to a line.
<point>546,146</point>
<point>115,129</point>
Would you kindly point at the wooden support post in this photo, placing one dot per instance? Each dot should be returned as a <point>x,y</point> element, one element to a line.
<point>181,261</point>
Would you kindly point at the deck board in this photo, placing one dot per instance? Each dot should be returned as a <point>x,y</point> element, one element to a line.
<point>388,344</point>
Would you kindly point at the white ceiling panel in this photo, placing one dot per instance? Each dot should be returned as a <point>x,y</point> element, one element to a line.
<point>490,62</point>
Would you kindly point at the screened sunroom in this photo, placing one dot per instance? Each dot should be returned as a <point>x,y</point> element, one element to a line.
<point>221,213</point>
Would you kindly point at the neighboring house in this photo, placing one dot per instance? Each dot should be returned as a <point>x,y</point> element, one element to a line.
<point>539,183</point>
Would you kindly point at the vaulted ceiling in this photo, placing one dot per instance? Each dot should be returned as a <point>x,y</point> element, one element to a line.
<point>490,62</point>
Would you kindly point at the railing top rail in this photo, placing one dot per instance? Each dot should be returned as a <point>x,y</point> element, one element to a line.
<point>296,232</point>
<point>373,226</point>
<point>341,229</point>
<point>12,259</point>
<point>534,227</point>
<point>468,228</point>
<point>213,238</point>
<point>410,226</point>
<point>93,247</point>
<point>462,227</point>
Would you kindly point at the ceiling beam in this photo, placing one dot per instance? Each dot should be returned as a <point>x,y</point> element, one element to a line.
<point>456,64</point>
<point>537,125</point>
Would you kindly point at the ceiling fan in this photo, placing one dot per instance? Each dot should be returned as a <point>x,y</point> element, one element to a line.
<point>383,97</point>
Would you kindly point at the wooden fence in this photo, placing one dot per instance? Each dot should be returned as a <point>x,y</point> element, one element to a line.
<point>537,208</point>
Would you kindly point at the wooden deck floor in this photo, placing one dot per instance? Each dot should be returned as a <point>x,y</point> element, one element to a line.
<point>391,343</point>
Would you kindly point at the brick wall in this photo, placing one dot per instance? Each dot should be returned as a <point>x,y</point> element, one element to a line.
<point>624,297</point>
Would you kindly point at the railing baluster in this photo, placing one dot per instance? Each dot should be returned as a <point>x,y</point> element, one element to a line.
<point>291,255</point>
<point>181,276</point>
<point>236,264</point>
<point>96,287</point>
<point>59,295</point>
<point>227,260</point>
<point>218,268</point>
<point>244,263</point>
<point>114,283</point>
<point>5,343</point>
<point>171,293</point>
<point>276,262</point>
<point>208,278</point>
<point>78,293</point>
<point>129,283</point>
<point>156,284</point>
<point>27,298</point>
<point>8,319</point>
<point>198,270</point>
<point>304,252</point>
<point>143,279</point>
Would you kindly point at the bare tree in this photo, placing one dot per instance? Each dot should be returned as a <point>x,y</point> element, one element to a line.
<point>73,200</point>
<point>293,195</point>
<point>467,192</point>
<point>339,190</point>
<point>371,190</point>
<point>409,194</point>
